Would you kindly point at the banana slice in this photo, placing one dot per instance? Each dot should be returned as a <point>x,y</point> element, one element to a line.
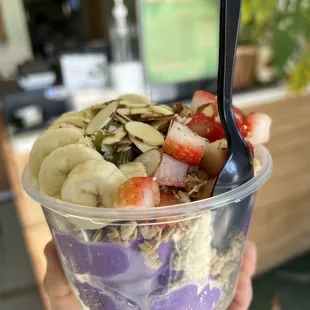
<point>93,183</point>
<point>163,110</point>
<point>133,170</point>
<point>56,166</point>
<point>51,140</point>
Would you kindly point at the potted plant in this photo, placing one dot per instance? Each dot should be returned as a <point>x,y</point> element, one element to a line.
<point>290,41</point>
<point>256,14</point>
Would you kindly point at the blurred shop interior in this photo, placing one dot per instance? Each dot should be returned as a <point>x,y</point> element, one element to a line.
<point>63,55</point>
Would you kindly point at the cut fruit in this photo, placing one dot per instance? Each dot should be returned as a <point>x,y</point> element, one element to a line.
<point>171,172</point>
<point>206,127</point>
<point>138,193</point>
<point>151,160</point>
<point>52,139</point>
<point>133,170</point>
<point>93,183</point>
<point>209,128</point>
<point>133,98</point>
<point>56,166</point>
<point>258,126</point>
<point>145,133</point>
<point>143,147</point>
<point>184,145</point>
<point>214,157</point>
<point>167,199</point>
<point>208,109</point>
<point>161,110</point>
<point>117,136</point>
<point>201,98</point>
<point>102,118</point>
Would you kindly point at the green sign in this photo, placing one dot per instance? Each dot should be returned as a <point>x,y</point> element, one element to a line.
<point>181,39</point>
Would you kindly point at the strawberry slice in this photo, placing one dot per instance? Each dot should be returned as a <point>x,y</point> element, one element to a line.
<point>139,192</point>
<point>184,145</point>
<point>258,126</point>
<point>239,115</point>
<point>167,199</point>
<point>206,103</point>
<point>214,157</point>
<point>171,172</point>
<point>201,98</point>
<point>206,127</point>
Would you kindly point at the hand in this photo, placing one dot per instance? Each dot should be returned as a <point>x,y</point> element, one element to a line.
<point>244,291</point>
<point>62,298</point>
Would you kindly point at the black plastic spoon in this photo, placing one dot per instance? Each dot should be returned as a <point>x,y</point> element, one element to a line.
<point>238,168</point>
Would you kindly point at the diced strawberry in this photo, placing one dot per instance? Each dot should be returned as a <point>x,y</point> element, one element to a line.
<point>206,127</point>
<point>200,98</point>
<point>214,157</point>
<point>167,199</point>
<point>171,172</point>
<point>258,126</point>
<point>239,115</point>
<point>209,109</point>
<point>211,128</point>
<point>184,145</point>
<point>139,192</point>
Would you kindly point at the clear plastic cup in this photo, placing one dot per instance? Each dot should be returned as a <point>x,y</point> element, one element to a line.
<point>154,259</point>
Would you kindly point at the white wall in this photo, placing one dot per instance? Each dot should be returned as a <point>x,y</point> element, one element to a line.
<point>17,47</point>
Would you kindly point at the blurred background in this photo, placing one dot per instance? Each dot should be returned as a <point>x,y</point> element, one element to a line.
<point>62,55</point>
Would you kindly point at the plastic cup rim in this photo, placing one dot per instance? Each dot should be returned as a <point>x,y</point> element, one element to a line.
<point>126,214</point>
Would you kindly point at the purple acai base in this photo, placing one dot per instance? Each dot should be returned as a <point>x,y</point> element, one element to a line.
<point>109,276</point>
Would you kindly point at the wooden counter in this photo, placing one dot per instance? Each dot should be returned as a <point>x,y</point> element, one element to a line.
<point>281,222</point>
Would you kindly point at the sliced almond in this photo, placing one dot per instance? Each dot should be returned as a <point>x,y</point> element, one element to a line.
<point>128,104</point>
<point>152,117</point>
<point>123,119</point>
<point>133,98</point>
<point>76,120</point>
<point>102,118</point>
<point>143,147</point>
<point>145,133</point>
<point>151,160</point>
<point>133,170</point>
<point>133,111</point>
<point>117,136</point>
<point>161,124</point>
<point>124,141</point>
<point>162,110</point>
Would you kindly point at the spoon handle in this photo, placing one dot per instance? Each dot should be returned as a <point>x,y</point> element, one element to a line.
<point>229,26</point>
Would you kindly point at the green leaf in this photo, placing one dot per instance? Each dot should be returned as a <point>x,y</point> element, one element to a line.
<point>300,76</point>
<point>284,46</point>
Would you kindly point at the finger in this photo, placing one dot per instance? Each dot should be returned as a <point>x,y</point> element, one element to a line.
<point>244,293</point>
<point>55,280</point>
<point>249,259</point>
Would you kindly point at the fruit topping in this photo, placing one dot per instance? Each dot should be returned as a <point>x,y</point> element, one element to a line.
<point>183,144</point>
<point>171,172</point>
<point>141,192</point>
